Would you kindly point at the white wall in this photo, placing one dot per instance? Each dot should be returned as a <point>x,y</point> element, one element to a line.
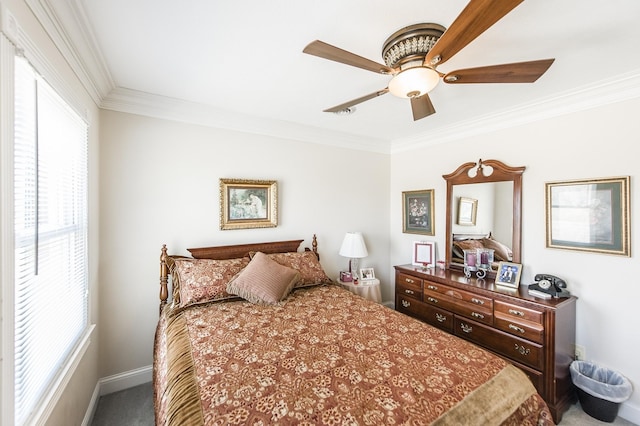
<point>160,185</point>
<point>601,142</point>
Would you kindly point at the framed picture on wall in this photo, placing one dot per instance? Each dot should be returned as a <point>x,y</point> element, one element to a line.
<point>417,212</point>
<point>248,204</point>
<point>467,211</point>
<point>589,215</point>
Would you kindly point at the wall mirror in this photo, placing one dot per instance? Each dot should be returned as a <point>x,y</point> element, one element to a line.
<point>496,191</point>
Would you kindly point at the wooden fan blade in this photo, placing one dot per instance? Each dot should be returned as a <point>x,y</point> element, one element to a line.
<point>421,107</point>
<point>519,72</point>
<point>357,101</point>
<point>327,51</point>
<point>475,19</point>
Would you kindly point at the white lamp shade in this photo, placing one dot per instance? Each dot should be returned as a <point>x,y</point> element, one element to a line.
<point>353,246</point>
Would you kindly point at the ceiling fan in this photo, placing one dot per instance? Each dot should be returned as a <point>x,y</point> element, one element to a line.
<point>412,54</point>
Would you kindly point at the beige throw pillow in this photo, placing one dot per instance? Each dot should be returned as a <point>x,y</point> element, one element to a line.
<point>263,281</point>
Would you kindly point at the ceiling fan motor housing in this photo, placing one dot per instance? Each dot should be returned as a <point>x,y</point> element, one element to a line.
<point>410,44</point>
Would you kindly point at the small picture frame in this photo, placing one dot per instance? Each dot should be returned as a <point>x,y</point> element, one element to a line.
<point>367,274</point>
<point>424,253</point>
<point>467,211</point>
<point>508,274</point>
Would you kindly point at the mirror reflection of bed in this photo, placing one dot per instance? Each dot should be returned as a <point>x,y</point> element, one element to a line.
<point>493,227</point>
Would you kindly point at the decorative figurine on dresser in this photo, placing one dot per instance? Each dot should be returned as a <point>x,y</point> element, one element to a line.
<point>536,334</point>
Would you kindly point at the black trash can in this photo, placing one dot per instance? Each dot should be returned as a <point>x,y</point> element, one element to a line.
<point>600,390</point>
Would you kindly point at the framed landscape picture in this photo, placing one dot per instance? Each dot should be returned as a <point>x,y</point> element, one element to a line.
<point>589,215</point>
<point>248,204</point>
<point>417,212</point>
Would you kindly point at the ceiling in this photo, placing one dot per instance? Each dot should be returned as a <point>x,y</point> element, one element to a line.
<point>244,58</point>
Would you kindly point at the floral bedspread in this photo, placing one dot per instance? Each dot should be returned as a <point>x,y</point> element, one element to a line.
<point>328,357</point>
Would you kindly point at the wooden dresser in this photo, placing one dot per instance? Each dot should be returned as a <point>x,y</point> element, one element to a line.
<point>537,335</point>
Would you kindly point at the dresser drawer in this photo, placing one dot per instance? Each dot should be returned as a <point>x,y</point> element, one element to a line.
<point>466,296</point>
<point>408,291</point>
<point>518,312</point>
<point>469,310</point>
<point>519,350</point>
<point>434,316</point>
<point>409,282</point>
<point>525,329</point>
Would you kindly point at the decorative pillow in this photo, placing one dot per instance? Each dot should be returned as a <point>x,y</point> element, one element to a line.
<point>501,251</point>
<point>307,264</point>
<point>459,246</point>
<point>263,281</point>
<point>204,280</point>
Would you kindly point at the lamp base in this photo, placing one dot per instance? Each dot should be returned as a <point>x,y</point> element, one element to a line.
<point>353,267</point>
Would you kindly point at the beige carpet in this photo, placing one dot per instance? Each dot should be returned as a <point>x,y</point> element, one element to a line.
<point>576,417</point>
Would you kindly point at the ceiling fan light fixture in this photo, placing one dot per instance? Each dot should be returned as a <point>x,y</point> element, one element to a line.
<point>413,82</point>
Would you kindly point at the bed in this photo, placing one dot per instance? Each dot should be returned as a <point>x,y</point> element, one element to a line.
<point>258,334</point>
<point>462,242</point>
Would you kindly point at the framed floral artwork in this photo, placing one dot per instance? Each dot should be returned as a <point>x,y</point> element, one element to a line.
<point>417,212</point>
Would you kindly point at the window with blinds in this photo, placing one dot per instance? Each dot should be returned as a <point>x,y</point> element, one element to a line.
<point>50,231</point>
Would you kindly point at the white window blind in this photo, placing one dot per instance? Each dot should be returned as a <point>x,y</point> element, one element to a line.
<point>51,282</point>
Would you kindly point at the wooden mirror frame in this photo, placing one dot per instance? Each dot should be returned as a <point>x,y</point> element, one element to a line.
<point>501,173</point>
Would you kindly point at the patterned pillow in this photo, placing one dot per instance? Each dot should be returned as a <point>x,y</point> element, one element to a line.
<point>500,251</point>
<point>307,264</point>
<point>204,280</point>
<point>263,281</point>
<point>471,244</point>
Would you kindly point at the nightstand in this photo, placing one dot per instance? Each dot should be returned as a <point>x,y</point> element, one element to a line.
<point>369,289</point>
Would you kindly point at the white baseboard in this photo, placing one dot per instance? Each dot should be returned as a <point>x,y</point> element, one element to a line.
<point>115,383</point>
<point>91,409</point>
<point>125,380</point>
<point>630,412</point>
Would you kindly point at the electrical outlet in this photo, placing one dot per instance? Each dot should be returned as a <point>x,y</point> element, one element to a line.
<point>580,353</point>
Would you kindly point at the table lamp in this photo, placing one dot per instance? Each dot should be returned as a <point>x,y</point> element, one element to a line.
<point>354,248</point>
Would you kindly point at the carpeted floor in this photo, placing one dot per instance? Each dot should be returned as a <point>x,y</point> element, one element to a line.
<point>134,407</point>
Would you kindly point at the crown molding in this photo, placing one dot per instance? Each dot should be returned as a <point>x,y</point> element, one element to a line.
<point>66,23</point>
<point>150,105</point>
<point>604,92</point>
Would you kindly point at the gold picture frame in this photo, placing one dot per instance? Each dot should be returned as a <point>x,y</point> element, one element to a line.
<point>508,274</point>
<point>467,211</point>
<point>246,204</point>
<point>590,215</point>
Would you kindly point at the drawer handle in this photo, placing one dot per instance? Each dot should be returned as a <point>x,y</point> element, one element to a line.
<point>432,287</point>
<point>514,312</point>
<point>440,317</point>
<point>516,328</point>
<point>477,315</point>
<point>409,280</point>
<point>522,350</point>
<point>405,303</point>
<point>432,300</point>
<point>409,291</point>
<point>477,301</point>
<point>466,328</point>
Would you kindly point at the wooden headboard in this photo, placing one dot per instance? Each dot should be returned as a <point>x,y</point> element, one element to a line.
<point>227,252</point>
